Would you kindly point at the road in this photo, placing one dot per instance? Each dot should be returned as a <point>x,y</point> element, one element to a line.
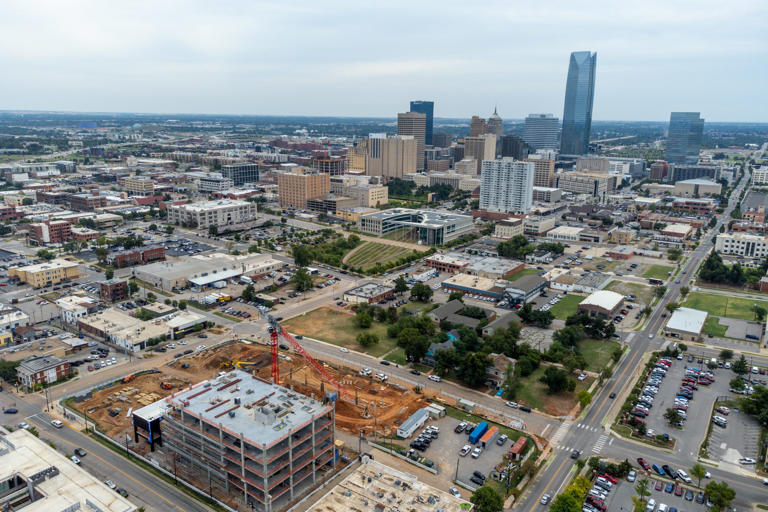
<point>588,432</point>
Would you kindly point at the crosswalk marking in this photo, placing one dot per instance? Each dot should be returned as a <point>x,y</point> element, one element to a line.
<point>598,447</point>
<point>559,434</point>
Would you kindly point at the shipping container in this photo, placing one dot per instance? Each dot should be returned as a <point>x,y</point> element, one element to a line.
<point>478,432</point>
<point>489,436</point>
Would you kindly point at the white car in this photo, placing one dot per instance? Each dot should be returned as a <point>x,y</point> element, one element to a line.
<point>57,423</point>
<point>110,484</point>
<point>24,425</point>
<point>476,452</point>
<point>365,372</point>
<point>454,492</point>
<point>345,350</point>
<point>435,378</point>
<point>512,405</point>
<point>465,450</point>
<point>75,459</point>
<point>182,343</point>
<point>747,460</point>
<point>582,376</point>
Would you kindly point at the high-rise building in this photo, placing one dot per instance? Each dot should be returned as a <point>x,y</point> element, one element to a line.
<point>686,131</point>
<point>506,186</point>
<point>593,184</point>
<point>329,164</point>
<point>659,170</point>
<point>414,124</point>
<point>299,185</point>
<point>357,156</point>
<point>477,126</point>
<point>428,109</point>
<point>579,94</point>
<point>441,139</point>
<point>391,156</point>
<point>241,173</point>
<point>495,125</point>
<point>514,146</point>
<point>544,169</point>
<point>540,131</point>
<point>482,147</point>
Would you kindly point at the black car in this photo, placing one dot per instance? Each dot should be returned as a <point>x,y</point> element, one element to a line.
<point>416,372</point>
<point>385,363</point>
<point>525,408</point>
<point>80,452</point>
<point>477,481</point>
<point>575,454</point>
<point>612,396</point>
<point>11,411</point>
<point>122,492</point>
<point>479,475</point>
<point>668,470</point>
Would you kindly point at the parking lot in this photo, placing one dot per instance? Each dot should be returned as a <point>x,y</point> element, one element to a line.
<point>177,247</point>
<point>737,440</point>
<point>620,497</point>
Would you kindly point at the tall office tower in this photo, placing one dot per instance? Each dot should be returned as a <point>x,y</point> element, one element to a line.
<point>442,139</point>
<point>544,169</point>
<point>686,131</point>
<point>480,148</point>
<point>514,146</point>
<point>391,157</point>
<point>506,186</point>
<point>540,131</point>
<point>357,156</point>
<point>477,126</point>
<point>428,109</point>
<point>241,173</point>
<point>495,125</point>
<point>579,94</point>
<point>414,124</point>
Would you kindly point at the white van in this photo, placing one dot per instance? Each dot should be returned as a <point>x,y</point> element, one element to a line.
<point>651,505</point>
<point>663,507</point>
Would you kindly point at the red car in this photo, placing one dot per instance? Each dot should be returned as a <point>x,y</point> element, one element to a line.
<point>643,463</point>
<point>659,485</point>
<point>678,490</point>
<point>610,478</point>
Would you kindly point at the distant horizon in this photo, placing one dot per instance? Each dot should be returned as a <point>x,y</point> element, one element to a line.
<point>330,116</point>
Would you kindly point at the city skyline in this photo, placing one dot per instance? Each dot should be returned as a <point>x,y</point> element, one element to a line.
<point>238,60</point>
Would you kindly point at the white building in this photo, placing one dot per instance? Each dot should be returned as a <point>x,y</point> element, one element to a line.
<point>506,185</point>
<point>11,318</point>
<point>760,175</point>
<point>541,131</point>
<point>565,234</point>
<point>214,182</point>
<point>220,213</point>
<point>74,307</point>
<point>742,244</point>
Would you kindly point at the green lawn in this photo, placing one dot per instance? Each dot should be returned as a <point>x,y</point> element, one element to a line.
<point>598,353</point>
<point>370,253</point>
<point>339,329</point>
<point>396,356</point>
<point>723,305</point>
<point>533,392</point>
<point>567,306</point>
<point>713,327</point>
<point>643,294</point>
<point>524,272</point>
<point>658,272</point>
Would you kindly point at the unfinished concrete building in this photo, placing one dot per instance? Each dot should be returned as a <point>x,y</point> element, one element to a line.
<point>241,437</point>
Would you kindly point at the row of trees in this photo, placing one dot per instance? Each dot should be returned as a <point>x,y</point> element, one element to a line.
<point>713,270</point>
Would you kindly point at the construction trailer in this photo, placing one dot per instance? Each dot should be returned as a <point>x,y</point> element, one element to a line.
<point>241,436</point>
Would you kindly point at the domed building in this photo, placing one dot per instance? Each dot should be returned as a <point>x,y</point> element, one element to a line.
<point>495,125</point>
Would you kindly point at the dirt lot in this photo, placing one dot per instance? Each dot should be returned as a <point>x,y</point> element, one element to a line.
<point>392,405</point>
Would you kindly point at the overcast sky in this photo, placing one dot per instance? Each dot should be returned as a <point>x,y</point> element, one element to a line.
<point>370,58</point>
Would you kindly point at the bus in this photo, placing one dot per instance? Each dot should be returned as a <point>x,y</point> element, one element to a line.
<point>655,282</point>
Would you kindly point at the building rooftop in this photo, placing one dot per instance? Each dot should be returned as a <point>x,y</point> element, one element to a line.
<point>603,299</point>
<point>72,302</point>
<point>369,290</point>
<point>110,320</point>
<point>566,230</point>
<point>526,283</point>
<point>56,482</point>
<point>41,363</point>
<point>470,282</point>
<point>682,229</point>
<point>687,320</point>
<point>50,265</point>
<point>425,218</point>
<point>697,181</point>
<point>268,412</point>
<point>213,205</point>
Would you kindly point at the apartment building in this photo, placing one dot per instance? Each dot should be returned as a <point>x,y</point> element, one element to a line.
<point>86,202</point>
<point>113,290</point>
<point>46,274</point>
<point>506,186</point>
<point>760,175</point>
<point>391,156</point>
<point>50,232</point>
<point>742,244</point>
<point>139,186</point>
<point>219,213</point>
<point>299,185</point>
<point>41,370</point>
<point>261,445</point>
<point>509,228</point>
<point>544,171</point>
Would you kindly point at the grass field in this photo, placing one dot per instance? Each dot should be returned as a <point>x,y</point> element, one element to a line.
<point>642,293</point>
<point>713,327</point>
<point>567,306</point>
<point>723,305</point>
<point>533,392</point>
<point>339,329</point>
<point>598,353</point>
<point>658,272</point>
<point>524,272</point>
<point>370,253</point>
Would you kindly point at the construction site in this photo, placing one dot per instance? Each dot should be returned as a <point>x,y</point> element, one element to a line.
<point>391,403</point>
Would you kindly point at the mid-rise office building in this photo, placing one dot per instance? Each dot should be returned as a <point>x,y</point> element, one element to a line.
<point>428,227</point>
<point>686,133</point>
<point>659,170</point>
<point>515,147</point>
<point>357,156</point>
<point>46,274</point>
<point>482,147</point>
<point>742,244</point>
<point>442,140</point>
<point>50,232</point>
<point>692,172</point>
<point>477,126</point>
<point>415,125</point>
<point>214,182</point>
<point>547,194</point>
<point>579,95</point>
<point>760,175</point>
<point>544,171</point>
<point>391,156</point>
<point>428,109</point>
<point>540,131</point>
<point>333,165</point>
<point>219,213</point>
<point>139,186</point>
<point>594,184</point>
<point>506,186</point>
<point>296,187</point>
<point>241,173</point>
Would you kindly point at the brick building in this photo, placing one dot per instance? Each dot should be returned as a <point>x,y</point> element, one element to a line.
<point>137,256</point>
<point>113,290</point>
<point>50,232</point>
<point>41,370</point>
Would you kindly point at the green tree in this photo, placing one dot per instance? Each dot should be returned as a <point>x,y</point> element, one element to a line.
<point>672,416</point>
<point>565,502</point>
<point>647,311</point>
<point>737,383</point>
<point>698,472</point>
<point>249,293</point>
<point>213,230</point>
<point>421,292</point>
<point>109,273</point>
<point>672,306</point>
<point>557,380</point>
<point>720,494</point>
<point>363,319</point>
<point>168,230</point>
<point>133,287</point>
<point>684,290</point>
<point>585,398</point>
<point>302,255</point>
<point>759,312</point>
<point>739,367</point>
<point>302,280</point>
<point>659,291</point>
<point>726,354</point>
<point>182,305</point>
<point>643,489</point>
<point>472,368</point>
<point>400,285</point>
<point>153,227</point>
<point>365,339</point>
<point>101,254</point>
<point>486,499</point>
<point>456,295</point>
<point>45,254</point>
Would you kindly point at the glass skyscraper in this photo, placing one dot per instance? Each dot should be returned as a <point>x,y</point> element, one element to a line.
<point>579,94</point>
<point>686,131</point>
<point>427,108</point>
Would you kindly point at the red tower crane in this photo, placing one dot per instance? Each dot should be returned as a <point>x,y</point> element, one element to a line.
<point>275,332</point>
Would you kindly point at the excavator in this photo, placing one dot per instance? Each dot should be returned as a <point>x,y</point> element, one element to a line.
<point>228,365</point>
